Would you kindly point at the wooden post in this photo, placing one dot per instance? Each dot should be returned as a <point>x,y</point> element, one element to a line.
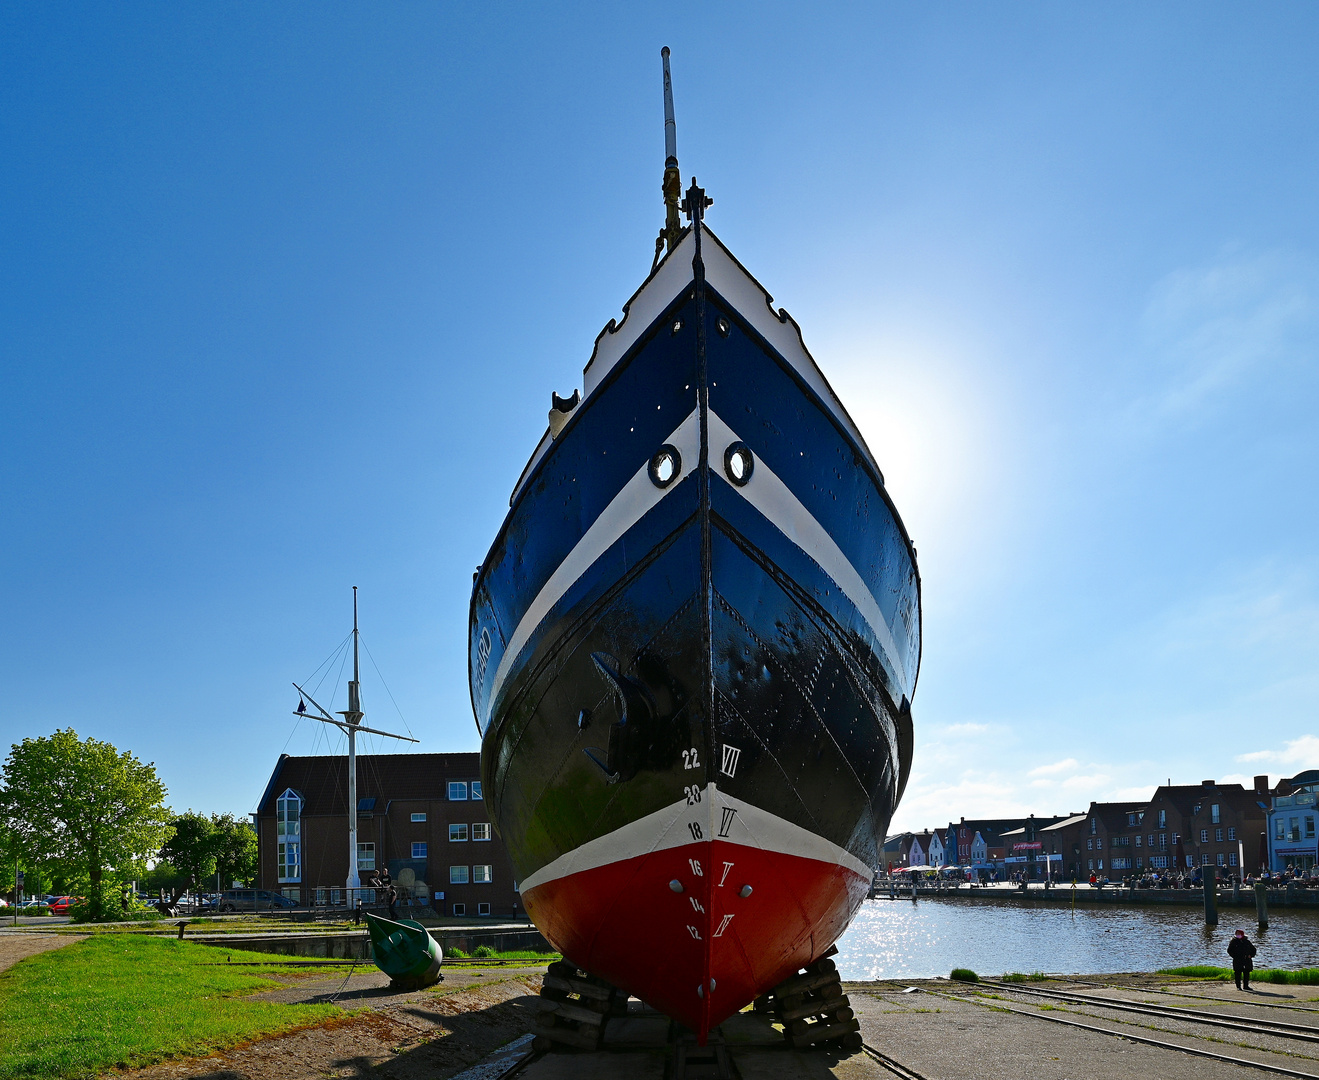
<point>1262,905</point>
<point>1210,874</point>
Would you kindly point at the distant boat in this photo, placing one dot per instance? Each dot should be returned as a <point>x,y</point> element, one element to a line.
<point>694,645</point>
<point>405,951</point>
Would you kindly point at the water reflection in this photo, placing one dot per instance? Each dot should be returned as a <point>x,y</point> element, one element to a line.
<point>899,939</point>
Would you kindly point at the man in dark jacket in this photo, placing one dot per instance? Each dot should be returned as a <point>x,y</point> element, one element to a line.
<point>1242,951</point>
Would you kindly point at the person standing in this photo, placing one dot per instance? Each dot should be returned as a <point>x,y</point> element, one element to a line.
<point>1242,951</point>
<point>392,897</point>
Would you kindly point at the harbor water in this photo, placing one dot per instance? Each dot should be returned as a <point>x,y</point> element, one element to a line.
<point>900,939</point>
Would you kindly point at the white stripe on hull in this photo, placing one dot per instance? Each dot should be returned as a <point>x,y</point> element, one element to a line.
<point>765,491</point>
<point>775,500</point>
<point>748,825</point>
<point>637,497</point>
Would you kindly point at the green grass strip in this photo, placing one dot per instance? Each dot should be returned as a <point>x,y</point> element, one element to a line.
<point>1297,977</point>
<point>128,1001</point>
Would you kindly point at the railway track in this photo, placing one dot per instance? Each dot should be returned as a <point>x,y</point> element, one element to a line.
<point>1305,1032</point>
<point>1231,1059</point>
<point>1203,997</point>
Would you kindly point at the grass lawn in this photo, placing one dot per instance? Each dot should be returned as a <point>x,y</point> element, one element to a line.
<point>1281,976</point>
<point>125,1000</point>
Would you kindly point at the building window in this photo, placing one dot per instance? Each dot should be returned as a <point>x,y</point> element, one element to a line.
<point>1090,845</point>
<point>482,875</point>
<point>1094,826</point>
<point>457,875</point>
<point>1232,859</point>
<point>460,909</point>
<point>287,858</point>
<point>1150,840</point>
<point>288,815</point>
<point>1221,861</point>
<point>1138,839</point>
<point>1099,843</point>
<point>1090,864</point>
<point>419,850</point>
<point>1163,841</point>
<point>1204,860</point>
<point>481,830</point>
<point>1163,819</point>
<point>483,909</point>
<point>1295,833</point>
<point>1279,829</point>
<point>476,790</point>
<point>1140,863</point>
<point>1231,834</point>
<point>1101,864</point>
<point>1204,836</point>
<point>366,856</point>
<point>1214,816</point>
<point>457,831</point>
<point>1218,836</point>
<point>419,817</point>
<point>457,791</point>
<point>1309,828</point>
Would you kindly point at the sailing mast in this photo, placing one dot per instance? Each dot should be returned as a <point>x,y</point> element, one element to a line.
<point>671,233</point>
<point>352,724</point>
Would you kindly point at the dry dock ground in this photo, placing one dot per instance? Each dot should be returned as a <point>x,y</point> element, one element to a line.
<point>1097,1028</point>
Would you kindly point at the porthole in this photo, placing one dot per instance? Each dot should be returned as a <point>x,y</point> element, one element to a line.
<point>738,463</point>
<point>723,326</point>
<point>665,465</point>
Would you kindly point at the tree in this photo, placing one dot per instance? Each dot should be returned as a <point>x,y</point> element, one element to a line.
<point>236,847</point>
<point>191,851</point>
<point>84,803</point>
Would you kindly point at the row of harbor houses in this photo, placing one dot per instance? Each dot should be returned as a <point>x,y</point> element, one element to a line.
<point>1181,827</point>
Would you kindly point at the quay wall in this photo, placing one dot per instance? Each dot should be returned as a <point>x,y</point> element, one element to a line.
<point>356,944</point>
<point>1065,894</point>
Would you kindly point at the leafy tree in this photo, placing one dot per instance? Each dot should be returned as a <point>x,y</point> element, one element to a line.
<point>191,851</point>
<point>236,848</point>
<point>84,803</point>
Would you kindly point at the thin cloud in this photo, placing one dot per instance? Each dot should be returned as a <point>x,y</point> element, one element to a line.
<point>1298,754</point>
<point>1208,326</point>
<point>1066,765</point>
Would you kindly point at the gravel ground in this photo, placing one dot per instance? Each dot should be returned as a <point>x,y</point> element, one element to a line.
<point>428,1034</point>
<point>16,946</point>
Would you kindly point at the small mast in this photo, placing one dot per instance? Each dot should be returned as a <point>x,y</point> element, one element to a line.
<point>672,185</point>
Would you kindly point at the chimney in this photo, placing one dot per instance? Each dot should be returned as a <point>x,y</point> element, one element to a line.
<point>1262,784</point>
<point>1208,783</point>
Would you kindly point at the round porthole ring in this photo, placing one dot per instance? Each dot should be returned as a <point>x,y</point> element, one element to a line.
<point>668,450</point>
<point>739,449</point>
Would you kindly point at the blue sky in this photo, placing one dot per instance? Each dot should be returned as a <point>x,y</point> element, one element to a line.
<point>286,289</point>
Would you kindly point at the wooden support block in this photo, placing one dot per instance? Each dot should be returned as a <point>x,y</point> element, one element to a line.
<point>576,986</point>
<point>586,1038</point>
<point>820,1032</point>
<point>569,1010</point>
<point>800,984</point>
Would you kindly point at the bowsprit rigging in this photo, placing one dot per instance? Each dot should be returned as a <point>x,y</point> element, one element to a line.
<point>693,647</point>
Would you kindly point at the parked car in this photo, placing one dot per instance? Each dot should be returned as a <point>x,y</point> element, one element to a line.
<point>60,905</point>
<point>254,900</point>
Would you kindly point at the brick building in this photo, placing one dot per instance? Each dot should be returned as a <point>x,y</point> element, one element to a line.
<point>420,816</point>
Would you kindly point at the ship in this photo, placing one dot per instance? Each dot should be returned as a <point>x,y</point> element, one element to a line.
<point>693,645</point>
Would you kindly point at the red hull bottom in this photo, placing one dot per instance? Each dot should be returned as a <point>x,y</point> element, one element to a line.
<point>700,954</point>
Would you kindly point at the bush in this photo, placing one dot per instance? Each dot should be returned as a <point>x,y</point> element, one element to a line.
<point>1020,976</point>
<point>964,975</point>
<point>483,952</point>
